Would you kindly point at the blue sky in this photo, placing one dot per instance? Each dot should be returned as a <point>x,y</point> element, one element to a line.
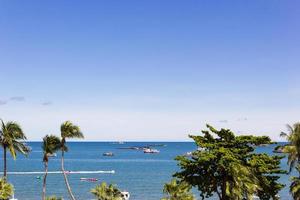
<point>150,70</point>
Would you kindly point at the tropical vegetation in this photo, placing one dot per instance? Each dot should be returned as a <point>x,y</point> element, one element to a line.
<point>54,198</point>
<point>6,189</point>
<point>228,166</point>
<point>50,145</point>
<point>177,190</point>
<point>68,130</point>
<point>106,192</point>
<point>12,139</point>
<point>293,151</point>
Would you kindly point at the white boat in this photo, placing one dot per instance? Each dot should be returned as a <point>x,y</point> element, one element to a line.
<point>148,150</point>
<point>125,195</point>
<point>188,154</point>
<point>52,155</point>
<point>89,179</point>
<point>13,198</point>
<point>108,154</point>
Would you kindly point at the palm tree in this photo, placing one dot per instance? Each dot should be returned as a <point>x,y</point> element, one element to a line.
<point>106,192</point>
<point>11,138</point>
<point>295,186</point>
<point>50,145</point>
<point>68,130</point>
<point>293,151</point>
<point>293,148</point>
<point>6,189</point>
<point>176,190</point>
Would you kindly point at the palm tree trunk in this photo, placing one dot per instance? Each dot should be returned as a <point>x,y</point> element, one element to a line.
<point>4,164</point>
<point>44,181</point>
<point>65,176</point>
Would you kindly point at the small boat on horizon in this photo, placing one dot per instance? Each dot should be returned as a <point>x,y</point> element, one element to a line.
<point>118,142</point>
<point>52,155</point>
<point>89,179</point>
<point>109,154</point>
<point>188,154</point>
<point>149,150</point>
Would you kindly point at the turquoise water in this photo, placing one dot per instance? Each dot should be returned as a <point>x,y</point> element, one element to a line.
<point>143,175</point>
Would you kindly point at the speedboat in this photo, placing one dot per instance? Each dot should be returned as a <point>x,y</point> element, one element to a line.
<point>149,150</point>
<point>188,154</point>
<point>125,195</point>
<point>52,155</point>
<point>108,154</point>
<point>89,179</point>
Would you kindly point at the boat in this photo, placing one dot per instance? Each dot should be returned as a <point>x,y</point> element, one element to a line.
<point>125,195</point>
<point>188,154</point>
<point>89,179</point>
<point>108,154</point>
<point>148,150</point>
<point>52,155</point>
<point>13,197</point>
<point>157,145</point>
<point>119,142</point>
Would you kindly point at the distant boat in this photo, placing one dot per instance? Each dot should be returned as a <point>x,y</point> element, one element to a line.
<point>157,145</point>
<point>89,179</point>
<point>52,155</point>
<point>188,154</point>
<point>108,154</point>
<point>125,195</point>
<point>119,142</point>
<point>13,198</point>
<point>148,150</point>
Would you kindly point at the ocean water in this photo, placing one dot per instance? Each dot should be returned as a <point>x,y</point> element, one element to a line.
<point>143,175</point>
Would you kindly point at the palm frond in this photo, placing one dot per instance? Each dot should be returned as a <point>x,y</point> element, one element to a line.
<point>50,145</point>
<point>69,130</point>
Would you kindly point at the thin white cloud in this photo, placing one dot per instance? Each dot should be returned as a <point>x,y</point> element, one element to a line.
<point>3,102</point>
<point>17,98</point>
<point>47,103</point>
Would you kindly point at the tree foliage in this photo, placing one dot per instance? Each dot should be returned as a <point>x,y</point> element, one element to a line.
<point>54,198</point>
<point>50,145</point>
<point>12,139</point>
<point>106,192</point>
<point>68,130</point>
<point>6,189</point>
<point>293,147</point>
<point>295,186</point>
<point>293,151</point>
<point>228,166</point>
<point>177,190</point>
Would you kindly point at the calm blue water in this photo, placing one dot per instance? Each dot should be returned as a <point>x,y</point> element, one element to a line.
<point>143,175</point>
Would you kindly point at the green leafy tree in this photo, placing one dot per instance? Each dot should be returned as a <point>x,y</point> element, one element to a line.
<point>295,186</point>
<point>293,148</point>
<point>106,192</point>
<point>227,165</point>
<point>177,190</point>
<point>50,145</point>
<point>293,151</point>
<point>68,130</point>
<point>6,189</point>
<point>12,139</point>
<point>54,198</point>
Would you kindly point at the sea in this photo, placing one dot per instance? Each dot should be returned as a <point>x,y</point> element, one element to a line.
<point>142,175</point>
